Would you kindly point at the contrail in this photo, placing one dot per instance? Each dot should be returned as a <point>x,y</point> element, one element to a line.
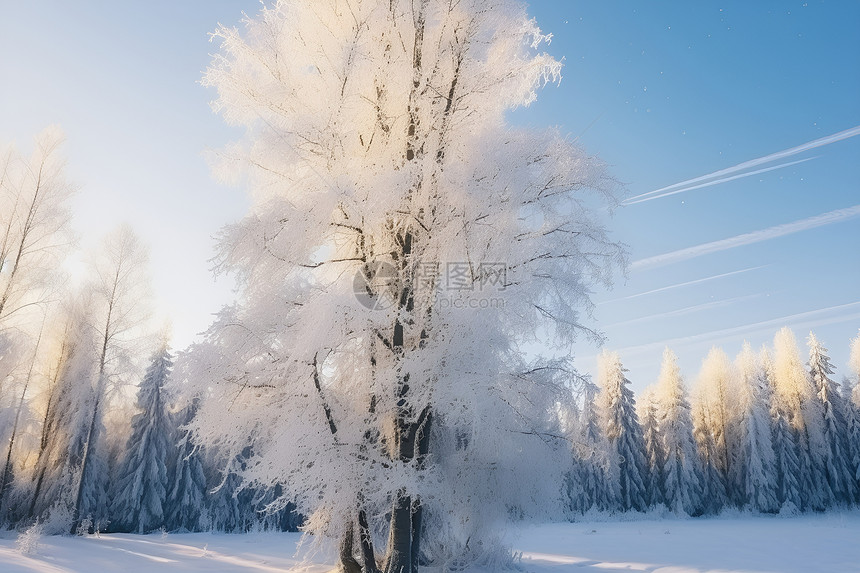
<point>679,285</point>
<point>810,319</point>
<point>747,238</point>
<point>687,310</point>
<point>634,200</point>
<point>760,161</point>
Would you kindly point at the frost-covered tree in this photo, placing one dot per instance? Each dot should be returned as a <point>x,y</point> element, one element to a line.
<point>852,431</point>
<point>593,485</point>
<point>836,453</point>
<point>647,411</point>
<point>139,502</point>
<point>715,400</point>
<point>754,475</point>
<point>714,495</point>
<point>784,441</point>
<point>65,420</point>
<point>404,239</point>
<point>34,217</point>
<point>795,397</point>
<point>620,425</point>
<point>118,306</point>
<point>7,473</point>
<point>681,478</point>
<point>851,398</point>
<point>187,496</point>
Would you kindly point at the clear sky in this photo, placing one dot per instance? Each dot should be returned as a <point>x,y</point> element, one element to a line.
<point>733,125</point>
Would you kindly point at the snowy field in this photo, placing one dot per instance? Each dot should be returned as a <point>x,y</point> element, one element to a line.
<point>820,543</point>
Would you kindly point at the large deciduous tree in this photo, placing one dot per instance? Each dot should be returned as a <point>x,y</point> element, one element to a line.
<point>404,243</point>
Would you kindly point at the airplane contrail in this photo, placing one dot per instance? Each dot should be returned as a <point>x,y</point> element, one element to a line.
<point>747,238</point>
<point>827,140</point>
<point>679,285</point>
<point>635,200</point>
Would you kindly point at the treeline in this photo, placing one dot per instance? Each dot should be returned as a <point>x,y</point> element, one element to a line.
<point>767,432</point>
<point>86,439</point>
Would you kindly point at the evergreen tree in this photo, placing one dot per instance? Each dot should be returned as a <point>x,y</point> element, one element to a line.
<point>852,429</point>
<point>141,490</point>
<point>797,402</point>
<point>714,494</point>
<point>187,497</point>
<point>851,391</point>
<point>836,453</point>
<point>755,474</point>
<point>682,480</point>
<point>653,447</point>
<point>785,446</point>
<point>230,505</point>
<point>621,427</point>
<point>717,401</point>
<point>593,486</point>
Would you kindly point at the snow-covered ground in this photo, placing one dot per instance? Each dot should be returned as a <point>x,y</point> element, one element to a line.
<point>818,543</point>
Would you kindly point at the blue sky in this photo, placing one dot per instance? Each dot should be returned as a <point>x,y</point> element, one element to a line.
<point>665,93</point>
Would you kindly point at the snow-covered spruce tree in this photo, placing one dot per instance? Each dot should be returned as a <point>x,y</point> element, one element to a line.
<point>230,505</point>
<point>620,425</point>
<point>716,433</point>
<point>140,491</point>
<point>785,446</point>
<point>796,399</point>
<point>187,496</point>
<point>714,496</point>
<point>851,391</point>
<point>754,474</point>
<point>404,240</point>
<point>593,485</point>
<point>852,431</point>
<point>647,412</point>
<point>681,476</point>
<point>836,453</point>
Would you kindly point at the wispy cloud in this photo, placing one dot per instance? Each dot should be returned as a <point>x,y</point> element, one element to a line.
<point>642,198</point>
<point>683,284</point>
<point>724,174</point>
<point>811,319</point>
<point>747,238</point>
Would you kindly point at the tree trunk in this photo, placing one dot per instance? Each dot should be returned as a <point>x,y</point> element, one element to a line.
<point>368,556</point>
<point>348,564</point>
<point>91,434</point>
<point>423,437</point>
<point>400,535</point>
